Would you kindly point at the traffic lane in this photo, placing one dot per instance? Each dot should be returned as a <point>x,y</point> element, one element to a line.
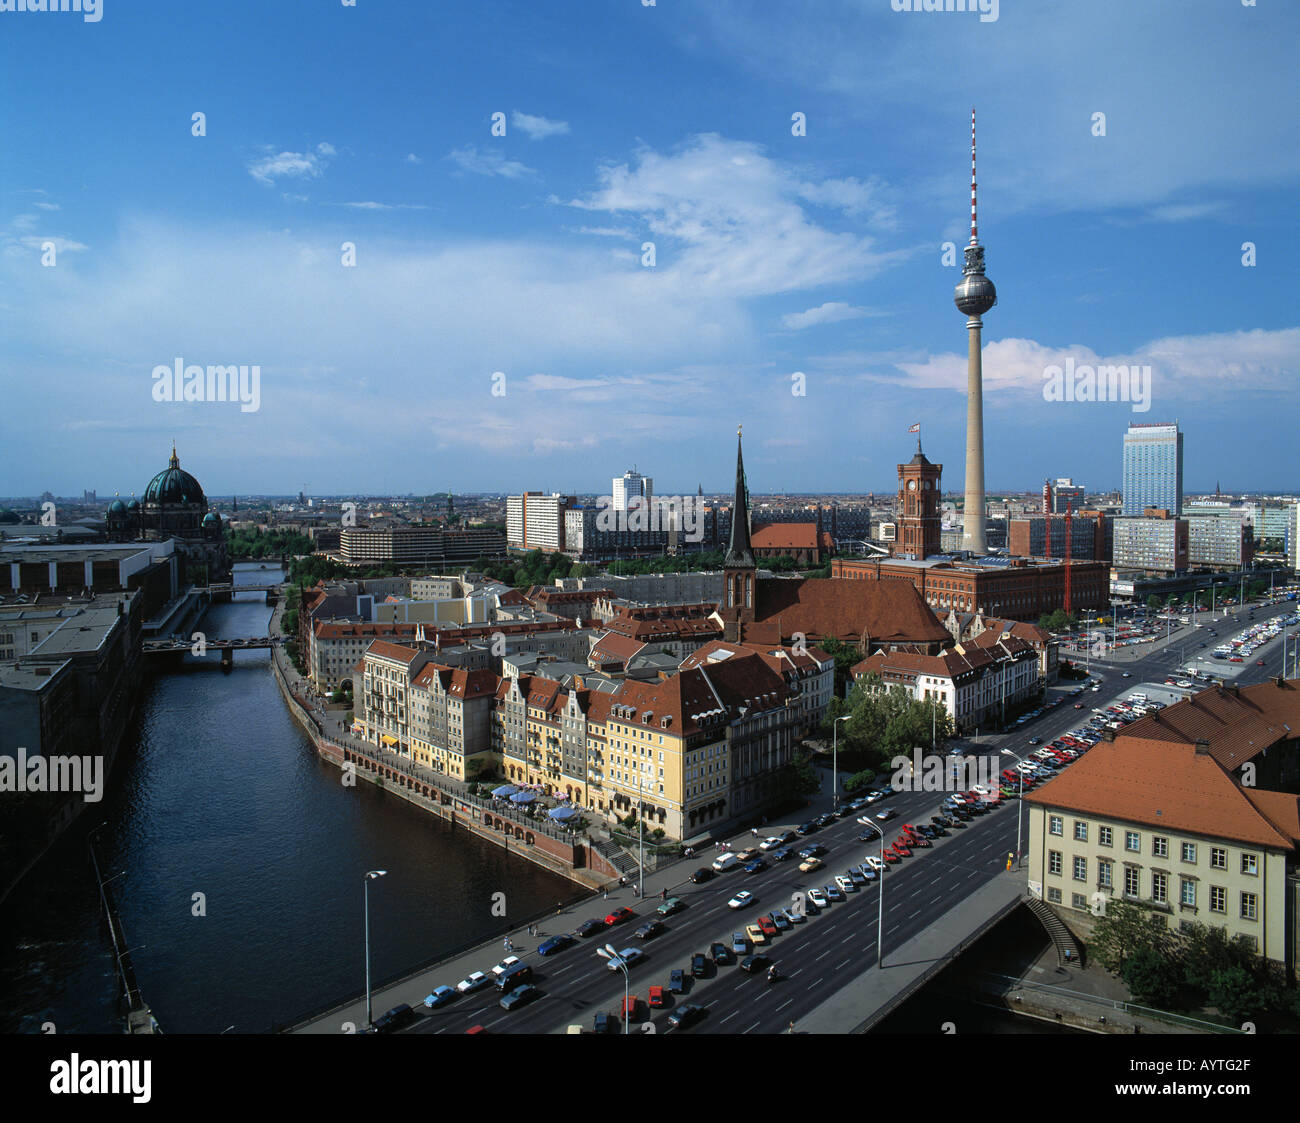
<point>815,957</point>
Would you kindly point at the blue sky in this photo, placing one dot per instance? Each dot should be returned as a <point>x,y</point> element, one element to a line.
<point>626,124</point>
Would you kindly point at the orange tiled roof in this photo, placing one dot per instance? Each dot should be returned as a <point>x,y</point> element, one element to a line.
<point>785,536</point>
<point>887,612</point>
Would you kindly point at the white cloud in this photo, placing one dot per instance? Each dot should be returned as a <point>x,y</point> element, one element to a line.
<point>479,162</point>
<point>732,220</point>
<point>271,166</point>
<point>412,158</point>
<point>47,206</point>
<point>370,205</point>
<point>830,313</point>
<point>538,128</point>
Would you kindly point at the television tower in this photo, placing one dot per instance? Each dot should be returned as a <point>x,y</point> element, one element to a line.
<point>974,296</point>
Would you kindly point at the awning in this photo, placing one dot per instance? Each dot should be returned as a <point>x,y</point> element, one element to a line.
<point>504,790</point>
<point>388,740</point>
<point>563,813</point>
<point>523,797</point>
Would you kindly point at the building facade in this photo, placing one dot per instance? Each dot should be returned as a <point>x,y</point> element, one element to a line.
<point>1153,468</point>
<point>1154,543</point>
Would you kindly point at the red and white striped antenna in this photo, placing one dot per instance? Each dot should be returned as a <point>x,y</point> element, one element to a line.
<point>974,231</point>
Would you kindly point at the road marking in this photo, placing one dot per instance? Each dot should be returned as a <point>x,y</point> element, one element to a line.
<point>844,964</point>
<point>754,1026</point>
<point>915,914</point>
<point>846,939</point>
<point>814,984</point>
<point>822,956</point>
<point>730,1016</point>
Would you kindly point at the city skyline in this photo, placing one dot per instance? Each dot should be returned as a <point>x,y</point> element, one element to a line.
<point>776,254</point>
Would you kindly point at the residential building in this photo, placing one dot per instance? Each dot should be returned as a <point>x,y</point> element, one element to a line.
<point>535,521</point>
<point>1153,543</point>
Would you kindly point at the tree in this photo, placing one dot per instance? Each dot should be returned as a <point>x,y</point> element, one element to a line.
<point>1153,602</point>
<point>1151,977</point>
<point>1123,930</point>
<point>845,658</point>
<point>859,780</point>
<point>800,778</point>
<point>1234,993</point>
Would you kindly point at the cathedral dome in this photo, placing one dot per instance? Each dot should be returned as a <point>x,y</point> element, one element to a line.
<point>174,485</point>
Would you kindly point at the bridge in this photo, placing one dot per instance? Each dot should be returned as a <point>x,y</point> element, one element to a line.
<point>227,647</point>
<point>226,588</point>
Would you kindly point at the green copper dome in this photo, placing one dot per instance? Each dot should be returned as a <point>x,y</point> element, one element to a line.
<point>174,485</point>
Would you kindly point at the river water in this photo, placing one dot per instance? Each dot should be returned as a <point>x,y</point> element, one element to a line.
<point>241,858</point>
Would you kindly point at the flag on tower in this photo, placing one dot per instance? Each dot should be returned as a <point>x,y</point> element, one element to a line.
<point>915,428</point>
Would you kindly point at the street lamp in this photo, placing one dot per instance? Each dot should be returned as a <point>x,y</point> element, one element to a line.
<point>371,875</point>
<point>1020,802</point>
<point>880,904</point>
<point>835,769</point>
<point>608,952</point>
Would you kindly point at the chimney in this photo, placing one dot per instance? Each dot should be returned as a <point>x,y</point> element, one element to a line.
<point>1202,746</point>
<point>1108,735</point>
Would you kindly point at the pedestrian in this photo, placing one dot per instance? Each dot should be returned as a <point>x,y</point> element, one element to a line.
<point>663,894</point>
<point>606,892</point>
<point>506,943</point>
<point>753,832</point>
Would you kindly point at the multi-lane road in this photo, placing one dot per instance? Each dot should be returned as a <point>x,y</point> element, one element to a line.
<point>818,956</point>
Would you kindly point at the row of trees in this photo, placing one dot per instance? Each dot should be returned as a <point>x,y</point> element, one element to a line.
<point>255,543</point>
<point>539,568</point>
<point>1187,970</point>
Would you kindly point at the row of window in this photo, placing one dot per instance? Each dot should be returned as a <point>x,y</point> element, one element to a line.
<point>1248,903</point>
<point>1188,851</point>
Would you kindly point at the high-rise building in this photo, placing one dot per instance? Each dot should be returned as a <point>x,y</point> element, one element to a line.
<point>1153,468</point>
<point>629,486</point>
<point>1066,493</point>
<point>1154,543</point>
<point>535,521</point>
<point>974,296</point>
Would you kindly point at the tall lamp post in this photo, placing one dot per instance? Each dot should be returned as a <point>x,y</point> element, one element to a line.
<point>880,904</point>
<point>1020,803</point>
<point>608,952</point>
<point>835,758</point>
<point>370,876</point>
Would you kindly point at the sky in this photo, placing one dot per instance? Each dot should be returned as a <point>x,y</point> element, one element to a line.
<point>499,323</point>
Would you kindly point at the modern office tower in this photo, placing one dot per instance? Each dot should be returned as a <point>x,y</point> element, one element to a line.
<point>974,296</point>
<point>1153,468</point>
<point>631,485</point>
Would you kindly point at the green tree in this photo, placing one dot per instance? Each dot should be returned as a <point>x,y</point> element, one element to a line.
<point>1151,977</point>
<point>1153,602</point>
<point>1235,993</point>
<point>1123,930</point>
<point>800,778</point>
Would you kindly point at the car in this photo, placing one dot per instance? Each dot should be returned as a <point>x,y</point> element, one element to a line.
<point>755,934</point>
<point>858,875</point>
<point>685,1016</point>
<point>845,883</point>
<point>794,915</point>
<point>808,828</point>
<point>756,866</point>
<point>520,996</point>
<point>940,821</point>
<point>741,899</point>
<point>655,998</point>
<point>917,839</point>
<point>440,997</point>
<point>781,921</point>
<point>700,875</point>
<point>392,1020</point>
<point>1259,662</point>
<point>885,814</point>
<point>619,916</point>
<point>628,957</point>
<point>602,1022</point>
<point>739,945</point>
<point>1035,740</point>
<point>817,897</point>
<point>699,965</point>
<point>901,849</point>
<point>844,810</point>
<point>782,855</point>
<point>810,864</point>
<point>554,944</point>
<point>476,980</point>
<point>632,1008</point>
<point>826,820</point>
<point>720,953</point>
<point>768,925</point>
<point>670,906</point>
<point>816,850</point>
<point>677,981</point>
<point>649,930</point>
<point>506,964</point>
<point>874,864</point>
<point>753,964</point>
<point>834,893</point>
<point>1078,705</point>
<point>876,796</point>
<point>748,854</point>
<point>773,843</point>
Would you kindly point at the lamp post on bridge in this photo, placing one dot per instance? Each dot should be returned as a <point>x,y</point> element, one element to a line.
<point>371,875</point>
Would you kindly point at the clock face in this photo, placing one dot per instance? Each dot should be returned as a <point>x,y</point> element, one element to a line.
<point>911,485</point>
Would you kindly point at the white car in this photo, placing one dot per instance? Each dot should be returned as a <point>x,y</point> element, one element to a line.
<point>475,981</point>
<point>794,916</point>
<point>773,843</point>
<point>846,883</point>
<point>505,965</point>
<point>818,898</point>
<point>980,789</point>
<point>874,863</point>
<point>630,956</point>
<point>741,899</point>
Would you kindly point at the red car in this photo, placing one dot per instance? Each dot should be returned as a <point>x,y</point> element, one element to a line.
<point>618,916</point>
<point>768,925</point>
<point>901,849</point>
<point>914,837</point>
<point>890,857</point>
<point>656,998</point>
<point>631,1008</point>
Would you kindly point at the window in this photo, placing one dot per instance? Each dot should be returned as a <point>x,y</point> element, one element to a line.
<point>1078,901</point>
<point>1080,869</point>
<point>1159,846</point>
<point>1080,831</point>
<point>1056,825</point>
<point>1131,881</point>
<point>1187,893</point>
<point>1104,868</point>
<point>1218,858</point>
<point>1248,902</point>
<point>1249,864</point>
<point>1218,898</point>
<point>1105,836</point>
<point>1189,851</point>
<point>1160,887</point>
<point>1133,841</point>
<point>1054,895</point>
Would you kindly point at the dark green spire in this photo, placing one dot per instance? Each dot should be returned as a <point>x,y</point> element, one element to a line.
<point>738,549</point>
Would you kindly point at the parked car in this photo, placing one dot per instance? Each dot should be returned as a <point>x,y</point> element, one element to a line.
<point>507,964</point>
<point>619,916</point>
<point>440,997</point>
<point>739,945</point>
<point>701,875</point>
<point>753,964</point>
<point>699,966</point>
<point>392,1020</point>
<point>685,1016</point>
<point>677,981</point>
<point>755,934</point>
<point>554,944</point>
<point>721,954</point>
<point>476,980</point>
<point>768,925</point>
<point>655,998</point>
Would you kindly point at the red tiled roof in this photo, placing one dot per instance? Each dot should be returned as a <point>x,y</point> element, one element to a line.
<point>1155,783</point>
<point>785,536</point>
<point>888,612</point>
<point>388,650</point>
<point>325,629</point>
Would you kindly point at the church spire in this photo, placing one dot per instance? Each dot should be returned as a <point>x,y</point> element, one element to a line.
<point>739,552</point>
<point>173,462</point>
